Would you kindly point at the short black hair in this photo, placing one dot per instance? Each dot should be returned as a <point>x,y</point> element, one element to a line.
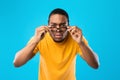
<point>59,11</point>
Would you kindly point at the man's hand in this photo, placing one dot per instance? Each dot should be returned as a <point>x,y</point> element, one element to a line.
<point>76,33</point>
<point>40,33</point>
<point>87,54</point>
<point>26,53</point>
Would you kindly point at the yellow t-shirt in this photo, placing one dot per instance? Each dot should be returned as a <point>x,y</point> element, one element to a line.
<point>57,60</point>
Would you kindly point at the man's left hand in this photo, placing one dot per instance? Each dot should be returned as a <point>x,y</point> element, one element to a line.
<point>76,33</point>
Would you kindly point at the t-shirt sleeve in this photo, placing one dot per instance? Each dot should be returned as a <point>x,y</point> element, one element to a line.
<point>36,48</point>
<point>79,51</point>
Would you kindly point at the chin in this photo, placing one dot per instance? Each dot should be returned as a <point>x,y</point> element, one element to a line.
<point>58,40</point>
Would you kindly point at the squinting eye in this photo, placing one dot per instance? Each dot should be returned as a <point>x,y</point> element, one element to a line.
<point>52,26</point>
<point>62,25</point>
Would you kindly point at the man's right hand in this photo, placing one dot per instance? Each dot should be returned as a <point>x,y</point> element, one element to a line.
<point>40,33</point>
<point>26,53</point>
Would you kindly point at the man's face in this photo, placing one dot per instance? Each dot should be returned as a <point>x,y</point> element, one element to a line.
<point>58,27</point>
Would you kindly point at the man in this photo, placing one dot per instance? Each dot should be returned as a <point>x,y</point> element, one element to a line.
<point>58,44</point>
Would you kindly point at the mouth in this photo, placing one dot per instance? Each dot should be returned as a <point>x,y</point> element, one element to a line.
<point>58,35</point>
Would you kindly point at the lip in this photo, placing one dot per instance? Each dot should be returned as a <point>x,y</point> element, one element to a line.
<point>58,35</point>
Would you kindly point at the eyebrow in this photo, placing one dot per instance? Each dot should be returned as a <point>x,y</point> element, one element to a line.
<point>59,24</point>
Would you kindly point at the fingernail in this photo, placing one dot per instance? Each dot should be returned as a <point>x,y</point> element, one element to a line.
<point>67,27</point>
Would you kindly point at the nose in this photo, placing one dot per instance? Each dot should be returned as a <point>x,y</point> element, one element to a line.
<point>58,27</point>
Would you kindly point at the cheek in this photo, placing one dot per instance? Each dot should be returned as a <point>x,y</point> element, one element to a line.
<point>65,34</point>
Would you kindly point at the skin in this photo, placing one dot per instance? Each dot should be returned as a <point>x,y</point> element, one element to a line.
<point>58,36</point>
<point>87,54</point>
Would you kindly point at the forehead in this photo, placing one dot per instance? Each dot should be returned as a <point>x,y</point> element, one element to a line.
<point>58,18</point>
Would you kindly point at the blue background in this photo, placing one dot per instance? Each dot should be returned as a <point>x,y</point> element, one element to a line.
<point>98,19</point>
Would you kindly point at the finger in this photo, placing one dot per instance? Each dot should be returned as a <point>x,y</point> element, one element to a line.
<point>70,28</point>
<point>80,31</point>
<point>42,33</point>
<point>39,29</point>
<point>76,35</point>
<point>42,28</point>
<point>47,28</point>
<point>73,31</point>
<point>77,30</point>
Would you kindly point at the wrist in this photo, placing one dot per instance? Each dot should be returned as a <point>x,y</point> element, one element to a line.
<point>35,40</point>
<point>81,40</point>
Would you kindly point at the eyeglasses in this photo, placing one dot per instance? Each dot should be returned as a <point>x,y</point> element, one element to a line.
<point>54,27</point>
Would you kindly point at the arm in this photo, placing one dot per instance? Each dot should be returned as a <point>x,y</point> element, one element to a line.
<point>87,54</point>
<point>26,53</point>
